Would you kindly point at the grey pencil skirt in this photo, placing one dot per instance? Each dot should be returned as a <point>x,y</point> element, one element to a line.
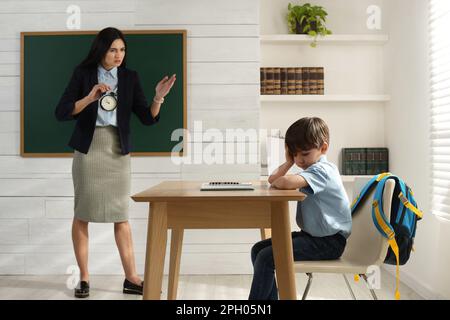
<point>101,179</point>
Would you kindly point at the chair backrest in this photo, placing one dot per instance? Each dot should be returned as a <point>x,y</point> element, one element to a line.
<point>365,244</point>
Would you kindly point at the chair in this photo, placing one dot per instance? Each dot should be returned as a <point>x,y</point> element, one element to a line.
<point>365,247</point>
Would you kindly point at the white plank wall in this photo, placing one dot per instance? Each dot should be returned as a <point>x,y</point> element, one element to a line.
<point>36,195</point>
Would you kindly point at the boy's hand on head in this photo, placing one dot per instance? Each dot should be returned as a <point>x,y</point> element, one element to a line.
<point>284,168</point>
<point>288,155</point>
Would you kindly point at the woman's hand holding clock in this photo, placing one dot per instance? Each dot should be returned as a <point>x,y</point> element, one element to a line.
<point>97,91</point>
<point>94,95</point>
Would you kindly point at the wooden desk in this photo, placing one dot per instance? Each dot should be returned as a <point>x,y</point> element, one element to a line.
<point>180,205</point>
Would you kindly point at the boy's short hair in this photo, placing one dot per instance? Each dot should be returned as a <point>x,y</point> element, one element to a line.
<point>306,134</point>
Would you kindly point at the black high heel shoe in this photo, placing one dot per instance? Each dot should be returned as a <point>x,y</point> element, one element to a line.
<point>131,288</point>
<point>82,290</point>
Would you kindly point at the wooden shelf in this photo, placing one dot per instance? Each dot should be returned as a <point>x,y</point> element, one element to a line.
<point>350,39</point>
<point>352,178</point>
<point>325,98</point>
<point>344,178</point>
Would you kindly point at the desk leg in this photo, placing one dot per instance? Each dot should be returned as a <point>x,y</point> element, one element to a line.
<point>156,250</point>
<point>282,250</point>
<point>176,245</point>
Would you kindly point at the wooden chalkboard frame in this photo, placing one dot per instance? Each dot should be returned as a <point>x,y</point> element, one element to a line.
<point>24,154</point>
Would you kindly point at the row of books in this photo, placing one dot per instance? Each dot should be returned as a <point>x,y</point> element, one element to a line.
<point>365,161</point>
<point>295,80</point>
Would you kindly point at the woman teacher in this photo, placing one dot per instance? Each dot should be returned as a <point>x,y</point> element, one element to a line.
<point>100,96</point>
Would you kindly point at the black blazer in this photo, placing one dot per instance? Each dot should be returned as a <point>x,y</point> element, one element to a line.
<point>131,98</point>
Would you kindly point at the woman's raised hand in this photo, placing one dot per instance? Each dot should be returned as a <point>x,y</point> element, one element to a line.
<point>163,87</point>
<point>97,91</point>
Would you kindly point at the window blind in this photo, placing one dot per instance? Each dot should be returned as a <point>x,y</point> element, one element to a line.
<point>439,58</point>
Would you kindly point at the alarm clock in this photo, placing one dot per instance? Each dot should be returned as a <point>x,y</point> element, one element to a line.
<point>108,102</point>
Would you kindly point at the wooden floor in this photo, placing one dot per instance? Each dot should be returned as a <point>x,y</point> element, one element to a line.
<point>202,287</point>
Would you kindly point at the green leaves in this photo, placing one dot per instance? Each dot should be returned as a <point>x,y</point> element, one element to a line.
<point>310,19</point>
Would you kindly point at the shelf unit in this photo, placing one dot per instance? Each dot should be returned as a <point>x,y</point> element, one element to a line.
<point>288,41</point>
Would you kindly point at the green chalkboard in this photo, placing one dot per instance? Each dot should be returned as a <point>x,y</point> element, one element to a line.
<point>47,62</point>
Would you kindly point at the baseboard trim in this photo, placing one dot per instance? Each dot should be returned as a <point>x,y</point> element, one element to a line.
<point>409,280</point>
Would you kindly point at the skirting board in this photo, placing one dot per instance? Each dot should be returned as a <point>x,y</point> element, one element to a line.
<point>415,285</point>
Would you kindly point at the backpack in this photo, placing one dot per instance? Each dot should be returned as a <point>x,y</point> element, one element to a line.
<point>401,229</point>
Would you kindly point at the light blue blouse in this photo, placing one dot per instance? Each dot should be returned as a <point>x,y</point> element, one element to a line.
<point>107,118</point>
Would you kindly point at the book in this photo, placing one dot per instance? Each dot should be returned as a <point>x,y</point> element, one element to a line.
<point>354,161</point>
<point>346,162</point>
<point>284,80</point>
<point>305,80</point>
<point>262,81</point>
<point>320,80</point>
<point>361,162</point>
<point>313,80</point>
<point>383,165</point>
<point>370,162</point>
<point>377,160</point>
<point>291,80</point>
<point>276,81</point>
<point>298,81</point>
<point>270,85</point>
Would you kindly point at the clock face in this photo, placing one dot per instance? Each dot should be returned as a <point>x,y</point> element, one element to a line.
<point>108,103</point>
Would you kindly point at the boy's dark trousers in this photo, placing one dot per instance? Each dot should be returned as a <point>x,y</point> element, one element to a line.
<point>305,247</point>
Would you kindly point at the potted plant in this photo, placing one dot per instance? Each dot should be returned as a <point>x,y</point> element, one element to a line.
<point>307,19</point>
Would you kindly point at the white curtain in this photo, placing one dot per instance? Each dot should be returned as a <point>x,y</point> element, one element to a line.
<point>439,30</point>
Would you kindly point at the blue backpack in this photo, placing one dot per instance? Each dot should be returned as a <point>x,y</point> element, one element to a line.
<point>401,229</point>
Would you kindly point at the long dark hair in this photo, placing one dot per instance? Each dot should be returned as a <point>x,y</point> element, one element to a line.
<point>100,47</point>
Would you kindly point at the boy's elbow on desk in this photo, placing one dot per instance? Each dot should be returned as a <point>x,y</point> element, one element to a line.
<point>289,182</point>
<point>271,179</point>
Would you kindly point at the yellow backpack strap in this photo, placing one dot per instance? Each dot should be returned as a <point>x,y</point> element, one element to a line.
<point>390,234</point>
<point>387,230</point>
<point>408,205</point>
<point>383,175</point>
<point>395,250</point>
